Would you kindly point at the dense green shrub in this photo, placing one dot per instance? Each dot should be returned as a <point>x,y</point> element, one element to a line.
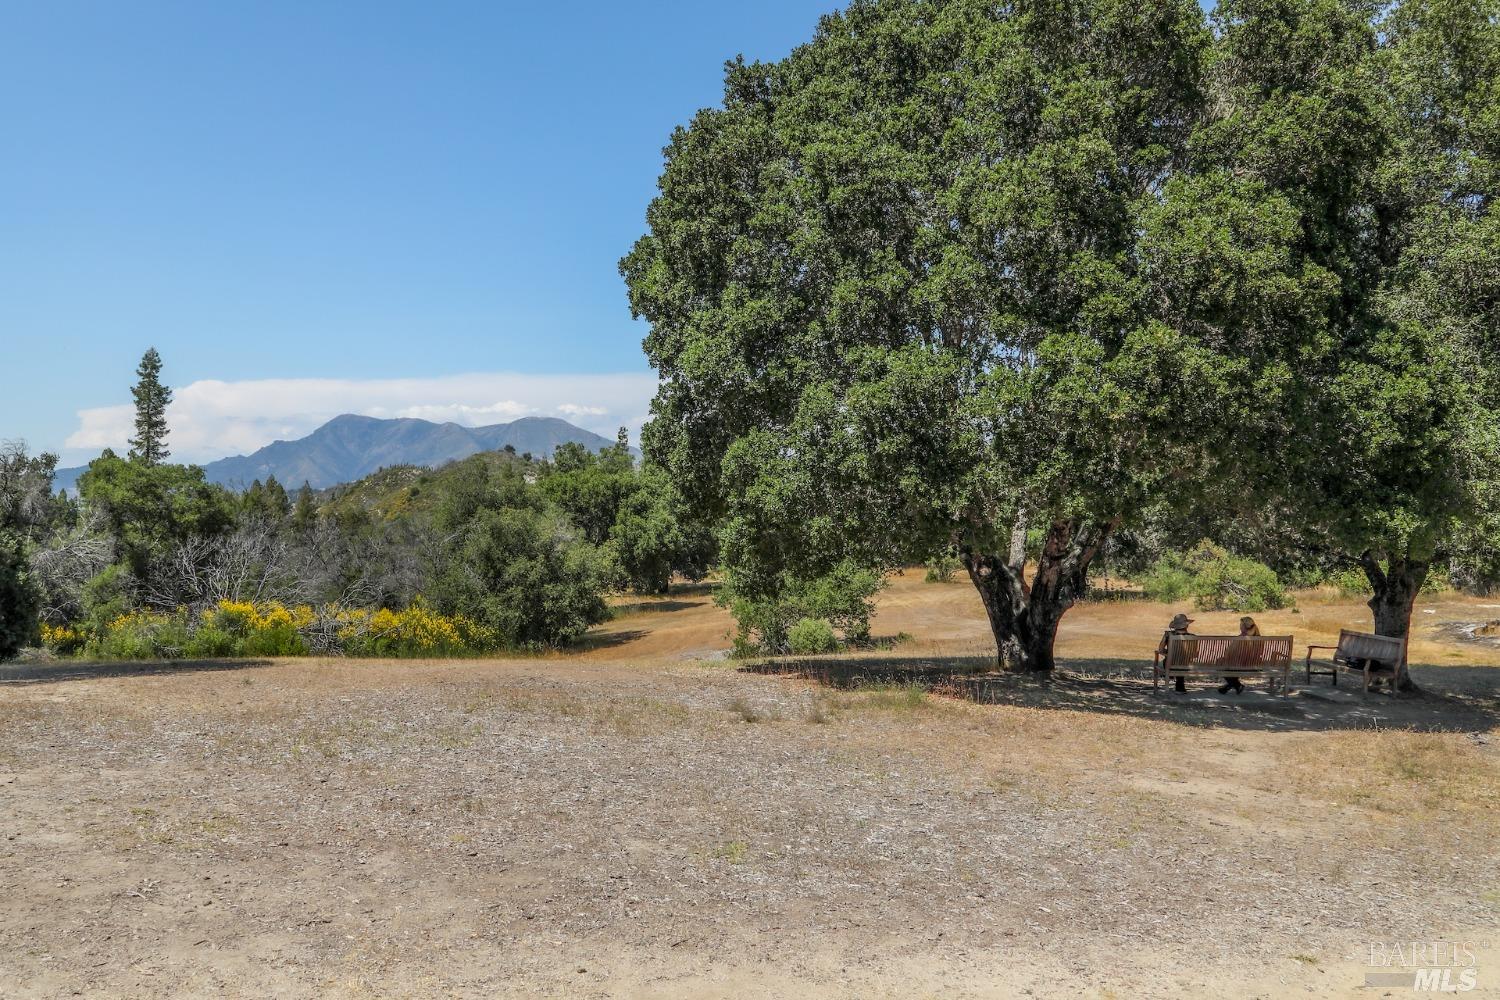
<point>106,598</point>
<point>242,628</point>
<point>210,642</point>
<point>1233,583</point>
<point>1349,582</point>
<point>654,536</point>
<point>1352,581</point>
<point>274,640</point>
<point>1168,580</point>
<point>810,636</point>
<point>142,635</point>
<point>1216,580</point>
<point>941,569</point>
<point>843,598</point>
<point>18,599</point>
<point>516,565</point>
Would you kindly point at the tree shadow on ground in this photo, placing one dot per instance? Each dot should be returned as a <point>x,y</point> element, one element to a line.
<point>647,607</point>
<point>593,641</point>
<point>701,589</point>
<point>1453,699</point>
<point>59,672</point>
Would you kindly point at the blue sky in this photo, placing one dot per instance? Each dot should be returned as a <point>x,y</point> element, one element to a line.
<point>382,196</point>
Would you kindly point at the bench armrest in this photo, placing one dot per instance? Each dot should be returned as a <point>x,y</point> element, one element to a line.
<point>1311,648</point>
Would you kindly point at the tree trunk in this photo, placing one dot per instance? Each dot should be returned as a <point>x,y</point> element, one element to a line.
<point>1024,616</point>
<point>1396,586</point>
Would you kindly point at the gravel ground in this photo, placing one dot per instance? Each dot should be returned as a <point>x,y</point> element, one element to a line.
<point>567,827</point>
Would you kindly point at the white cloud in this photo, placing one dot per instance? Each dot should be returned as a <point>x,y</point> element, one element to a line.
<point>471,416</point>
<point>573,411</point>
<point>211,419</point>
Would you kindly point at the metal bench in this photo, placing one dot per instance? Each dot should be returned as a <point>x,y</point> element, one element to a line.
<point>1371,656</point>
<point>1226,656</point>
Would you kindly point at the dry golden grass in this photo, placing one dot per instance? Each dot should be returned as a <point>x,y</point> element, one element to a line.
<point>445,829</point>
<point>1427,777</point>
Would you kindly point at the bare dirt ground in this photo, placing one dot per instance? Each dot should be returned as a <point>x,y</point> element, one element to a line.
<point>644,818</point>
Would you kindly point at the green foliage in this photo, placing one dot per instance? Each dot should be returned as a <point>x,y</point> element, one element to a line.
<point>19,601</point>
<point>28,508</point>
<point>149,446</point>
<point>267,501</point>
<point>107,597</point>
<point>810,636</point>
<point>655,535</point>
<point>1233,583</point>
<point>590,488</point>
<point>1168,580</point>
<point>1474,564</point>
<point>1375,126</point>
<point>242,628</point>
<point>901,293</point>
<point>271,640</point>
<point>147,509</point>
<point>1216,580</point>
<point>1352,581</point>
<point>1349,582</point>
<point>941,569</point>
<point>952,266</point>
<point>843,598</point>
<point>28,512</point>
<point>142,636</point>
<point>210,642</point>
<point>515,564</point>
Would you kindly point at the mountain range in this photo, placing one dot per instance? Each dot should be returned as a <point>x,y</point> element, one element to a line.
<point>350,447</point>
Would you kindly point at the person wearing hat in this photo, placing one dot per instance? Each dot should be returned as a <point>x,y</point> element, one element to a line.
<point>1179,626</point>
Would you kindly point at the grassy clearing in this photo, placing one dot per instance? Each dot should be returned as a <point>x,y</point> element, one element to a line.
<point>743,710</point>
<point>733,852</point>
<point>1398,773</point>
<point>880,697</point>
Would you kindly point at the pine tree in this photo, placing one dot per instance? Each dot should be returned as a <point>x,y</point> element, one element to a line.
<point>149,446</point>
<point>305,513</point>
<point>277,503</point>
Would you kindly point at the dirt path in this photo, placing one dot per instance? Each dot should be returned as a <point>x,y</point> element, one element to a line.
<point>637,820</point>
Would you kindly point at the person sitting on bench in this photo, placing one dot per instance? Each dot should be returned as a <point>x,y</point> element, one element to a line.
<point>1179,626</point>
<point>1247,628</point>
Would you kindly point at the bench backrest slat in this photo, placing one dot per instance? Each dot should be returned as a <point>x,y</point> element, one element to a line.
<point>1228,650</point>
<point>1364,646</point>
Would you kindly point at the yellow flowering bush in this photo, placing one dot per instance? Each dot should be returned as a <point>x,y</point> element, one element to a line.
<point>245,628</point>
<point>414,631</point>
<point>64,640</point>
<point>142,635</point>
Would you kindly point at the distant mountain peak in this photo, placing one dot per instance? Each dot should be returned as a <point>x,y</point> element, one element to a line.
<point>351,446</point>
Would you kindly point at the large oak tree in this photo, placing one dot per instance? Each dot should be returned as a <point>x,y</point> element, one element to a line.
<point>1004,277</point>
<point>904,292</point>
<point>1380,126</point>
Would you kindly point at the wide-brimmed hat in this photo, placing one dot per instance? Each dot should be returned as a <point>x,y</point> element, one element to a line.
<point>1180,621</point>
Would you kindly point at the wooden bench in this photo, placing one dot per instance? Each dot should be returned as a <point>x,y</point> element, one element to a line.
<point>1361,653</point>
<point>1226,656</point>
